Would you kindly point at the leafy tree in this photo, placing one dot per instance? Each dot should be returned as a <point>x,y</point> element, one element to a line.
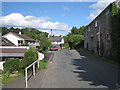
<point>74,41</point>
<point>75,30</point>
<point>80,30</point>
<point>44,44</point>
<point>75,38</point>
<point>114,10</point>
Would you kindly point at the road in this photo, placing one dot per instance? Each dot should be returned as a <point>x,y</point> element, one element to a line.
<point>73,69</point>
<point>78,69</point>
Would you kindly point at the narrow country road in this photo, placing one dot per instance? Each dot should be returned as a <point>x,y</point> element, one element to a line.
<point>78,69</point>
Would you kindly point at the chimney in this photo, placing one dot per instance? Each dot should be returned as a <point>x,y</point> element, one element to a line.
<point>20,33</point>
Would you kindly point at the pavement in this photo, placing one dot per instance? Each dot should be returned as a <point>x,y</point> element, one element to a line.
<point>74,69</point>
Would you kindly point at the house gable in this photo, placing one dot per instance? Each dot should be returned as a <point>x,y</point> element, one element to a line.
<point>13,38</point>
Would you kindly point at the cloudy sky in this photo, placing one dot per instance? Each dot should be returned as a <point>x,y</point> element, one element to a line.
<point>59,16</point>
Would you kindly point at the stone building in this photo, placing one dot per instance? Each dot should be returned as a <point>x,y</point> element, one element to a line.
<point>97,37</point>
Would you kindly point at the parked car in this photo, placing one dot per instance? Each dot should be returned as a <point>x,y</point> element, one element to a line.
<point>53,48</point>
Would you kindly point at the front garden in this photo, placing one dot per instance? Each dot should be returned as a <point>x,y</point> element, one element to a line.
<point>15,68</point>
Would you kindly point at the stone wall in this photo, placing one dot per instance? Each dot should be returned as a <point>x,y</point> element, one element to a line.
<point>91,35</point>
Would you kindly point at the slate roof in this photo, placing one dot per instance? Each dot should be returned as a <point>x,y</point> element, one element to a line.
<point>12,52</point>
<point>55,39</point>
<point>6,42</point>
<point>22,36</point>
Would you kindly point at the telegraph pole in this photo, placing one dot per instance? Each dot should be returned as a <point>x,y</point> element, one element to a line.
<point>51,32</point>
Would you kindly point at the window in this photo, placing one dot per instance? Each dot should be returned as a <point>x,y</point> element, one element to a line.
<point>20,42</point>
<point>108,36</point>
<point>96,23</point>
<point>89,28</point>
<point>107,12</point>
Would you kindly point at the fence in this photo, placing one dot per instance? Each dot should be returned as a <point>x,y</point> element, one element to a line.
<point>33,64</point>
<point>40,57</point>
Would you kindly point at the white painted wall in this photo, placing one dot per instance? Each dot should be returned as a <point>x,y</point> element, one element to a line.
<point>1,65</point>
<point>26,47</point>
<point>14,39</point>
<point>40,56</point>
<point>58,43</point>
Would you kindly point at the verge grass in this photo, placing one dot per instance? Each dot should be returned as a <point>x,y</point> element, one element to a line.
<point>43,64</point>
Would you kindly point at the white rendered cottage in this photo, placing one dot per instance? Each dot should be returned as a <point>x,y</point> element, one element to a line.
<point>19,39</point>
<point>56,40</point>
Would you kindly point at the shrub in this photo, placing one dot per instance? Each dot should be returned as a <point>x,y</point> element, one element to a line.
<point>11,65</point>
<point>30,56</point>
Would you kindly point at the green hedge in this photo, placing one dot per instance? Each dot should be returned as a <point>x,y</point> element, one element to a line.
<point>11,65</point>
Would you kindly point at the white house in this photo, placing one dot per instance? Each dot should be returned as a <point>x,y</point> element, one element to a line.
<point>56,40</point>
<point>19,39</point>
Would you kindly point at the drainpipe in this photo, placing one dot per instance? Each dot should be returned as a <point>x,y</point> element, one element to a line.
<point>99,39</point>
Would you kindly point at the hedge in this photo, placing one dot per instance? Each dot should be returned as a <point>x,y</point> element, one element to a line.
<point>11,65</point>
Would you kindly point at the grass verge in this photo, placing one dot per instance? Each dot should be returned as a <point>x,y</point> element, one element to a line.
<point>7,79</point>
<point>43,64</point>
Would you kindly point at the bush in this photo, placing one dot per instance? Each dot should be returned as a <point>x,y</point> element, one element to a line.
<point>30,56</point>
<point>11,65</point>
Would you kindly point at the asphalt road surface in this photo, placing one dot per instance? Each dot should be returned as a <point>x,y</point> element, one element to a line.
<point>78,69</point>
<point>73,69</point>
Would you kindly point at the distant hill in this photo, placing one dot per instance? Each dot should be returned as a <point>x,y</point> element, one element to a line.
<point>30,32</point>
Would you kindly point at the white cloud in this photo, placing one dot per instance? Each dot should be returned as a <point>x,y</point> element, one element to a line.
<point>98,7</point>
<point>18,20</point>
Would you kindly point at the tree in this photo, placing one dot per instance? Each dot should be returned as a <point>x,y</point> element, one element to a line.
<point>74,40</point>
<point>80,31</point>
<point>44,44</point>
<point>75,30</point>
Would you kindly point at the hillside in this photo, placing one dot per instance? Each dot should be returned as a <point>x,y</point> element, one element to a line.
<point>30,32</point>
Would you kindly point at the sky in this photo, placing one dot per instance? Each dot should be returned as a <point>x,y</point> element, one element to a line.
<point>44,16</point>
